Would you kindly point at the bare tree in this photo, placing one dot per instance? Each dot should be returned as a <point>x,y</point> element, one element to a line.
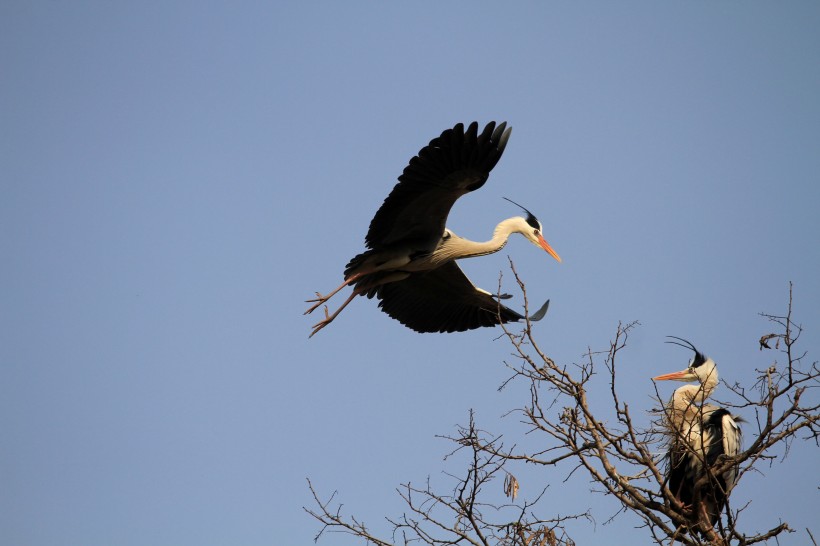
<point>620,458</point>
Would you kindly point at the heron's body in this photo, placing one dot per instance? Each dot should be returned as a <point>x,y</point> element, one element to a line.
<point>700,437</point>
<point>699,433</point>
<point>410,265</point>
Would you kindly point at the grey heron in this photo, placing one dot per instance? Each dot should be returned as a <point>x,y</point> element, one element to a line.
<point>699,434</point>
<point>410,262</point>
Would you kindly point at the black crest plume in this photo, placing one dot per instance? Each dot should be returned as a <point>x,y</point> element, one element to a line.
<point>699,357</point>
<point>531,219</point>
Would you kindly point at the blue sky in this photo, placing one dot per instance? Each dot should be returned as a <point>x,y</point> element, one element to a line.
<point>177,178</point>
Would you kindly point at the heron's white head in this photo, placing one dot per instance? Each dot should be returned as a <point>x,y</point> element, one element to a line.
<point>531,228</point>
<point>701,369</point>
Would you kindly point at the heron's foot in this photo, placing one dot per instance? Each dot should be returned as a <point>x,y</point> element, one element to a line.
<point>322,323</point>
<point>688,510</point>
<point>320,300</point>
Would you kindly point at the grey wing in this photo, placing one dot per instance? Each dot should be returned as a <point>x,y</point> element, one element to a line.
<point>732,444</point>
<point>443,300</point>
<point>455,163</point>
<point>722,436</point>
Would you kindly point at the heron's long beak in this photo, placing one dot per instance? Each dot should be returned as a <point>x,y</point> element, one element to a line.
<point>545,245</point>
<point>683,375</point>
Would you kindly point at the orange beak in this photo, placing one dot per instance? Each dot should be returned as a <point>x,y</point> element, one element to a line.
<point>545,245</point>
<point>683,375</point>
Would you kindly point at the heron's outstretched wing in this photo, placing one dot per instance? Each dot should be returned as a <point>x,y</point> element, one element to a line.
<point>444,300</point>
<point>455,163</point>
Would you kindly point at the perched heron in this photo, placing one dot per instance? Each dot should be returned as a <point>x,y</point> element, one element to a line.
<point>699,434</point>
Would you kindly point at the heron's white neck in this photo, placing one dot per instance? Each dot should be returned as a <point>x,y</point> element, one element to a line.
<point>687,400</point>
<point>455,247</point>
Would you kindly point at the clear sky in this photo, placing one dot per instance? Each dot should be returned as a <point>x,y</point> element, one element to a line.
<point>178,177</point>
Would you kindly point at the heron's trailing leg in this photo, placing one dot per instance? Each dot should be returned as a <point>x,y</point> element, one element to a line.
<point>329,318</point>
<point>321,300</point>
<point>362,287</point>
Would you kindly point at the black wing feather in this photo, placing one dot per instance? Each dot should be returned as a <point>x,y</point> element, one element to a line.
<point>442,300</point>
<point>716,424</point>
<point>686,467</point>
<point>455,163</point>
